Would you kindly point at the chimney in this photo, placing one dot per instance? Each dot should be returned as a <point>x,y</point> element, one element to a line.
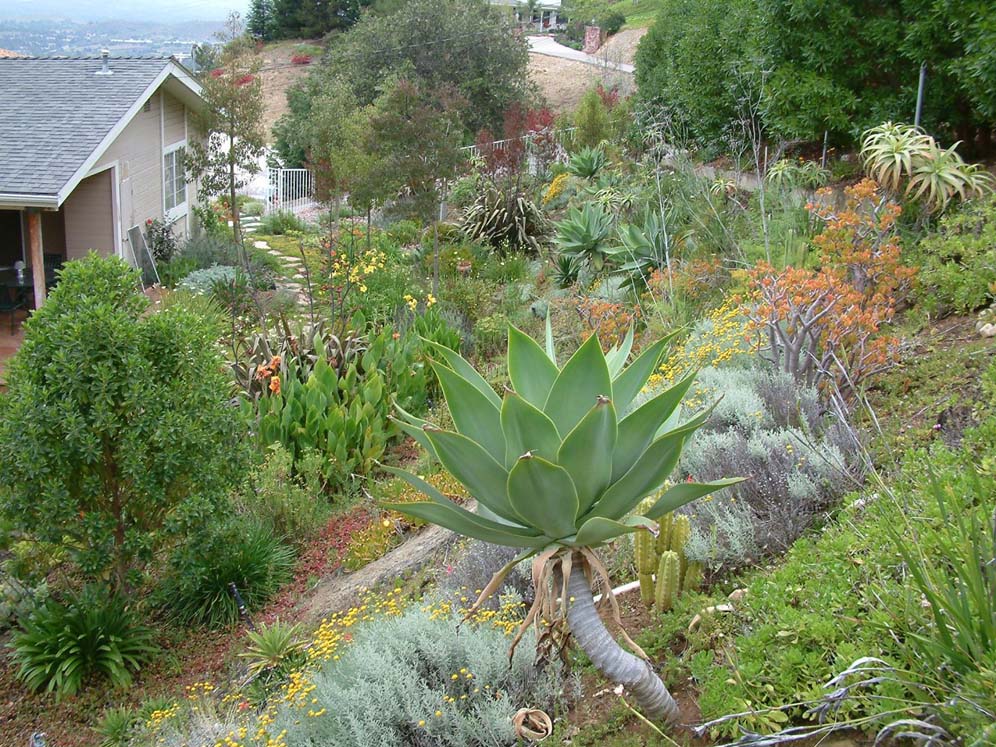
<point>105,68</point>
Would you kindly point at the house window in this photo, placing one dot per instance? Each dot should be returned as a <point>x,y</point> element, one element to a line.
<point>174,183</point>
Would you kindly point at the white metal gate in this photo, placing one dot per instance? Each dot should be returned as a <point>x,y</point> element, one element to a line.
<point>292,190</point>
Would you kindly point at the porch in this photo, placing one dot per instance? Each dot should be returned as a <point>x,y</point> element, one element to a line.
<point>34,244</point>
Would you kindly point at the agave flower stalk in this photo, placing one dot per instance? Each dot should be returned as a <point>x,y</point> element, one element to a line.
<point>557,465</point>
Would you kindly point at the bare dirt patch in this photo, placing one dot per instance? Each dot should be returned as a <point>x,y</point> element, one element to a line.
<point>562,82</point>
<point>621,47</point>
<point>279,74</point>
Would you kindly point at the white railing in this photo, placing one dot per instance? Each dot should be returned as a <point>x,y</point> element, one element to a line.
<point>290,189</point>
<point>552,147</point>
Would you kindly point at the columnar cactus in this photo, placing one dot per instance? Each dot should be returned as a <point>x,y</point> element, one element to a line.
<point>557,465</point>
<point>646,556</point>
<point>668,580</point>
<point>673,533</point>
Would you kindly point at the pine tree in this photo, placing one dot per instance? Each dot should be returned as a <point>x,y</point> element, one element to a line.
<point>261,21</point>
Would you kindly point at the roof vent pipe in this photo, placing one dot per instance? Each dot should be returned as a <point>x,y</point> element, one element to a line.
<point>105,68</point>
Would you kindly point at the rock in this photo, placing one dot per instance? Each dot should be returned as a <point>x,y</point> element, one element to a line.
<point>988,330</point>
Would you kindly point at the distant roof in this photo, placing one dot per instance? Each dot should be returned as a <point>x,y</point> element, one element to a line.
<point>58,114</point>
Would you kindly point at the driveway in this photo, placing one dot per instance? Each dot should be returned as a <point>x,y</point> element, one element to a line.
<point>547,46</point>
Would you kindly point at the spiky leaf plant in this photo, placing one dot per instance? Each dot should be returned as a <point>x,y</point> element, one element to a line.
<point>557,465</point>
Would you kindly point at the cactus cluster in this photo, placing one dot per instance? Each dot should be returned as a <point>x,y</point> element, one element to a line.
<point>661,563</point>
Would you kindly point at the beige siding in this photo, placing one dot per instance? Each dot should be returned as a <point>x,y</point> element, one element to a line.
<point>138,153</point>
<point>89,216</point>
<point>173,126</point>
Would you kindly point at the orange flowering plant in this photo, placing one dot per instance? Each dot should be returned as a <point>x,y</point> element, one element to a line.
<point>826,324</point>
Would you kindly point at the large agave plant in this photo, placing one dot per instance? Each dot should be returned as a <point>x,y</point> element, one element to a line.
<point>584,233</point>
<point>557,465</point>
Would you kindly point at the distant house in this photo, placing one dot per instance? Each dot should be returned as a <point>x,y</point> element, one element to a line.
<point>542,17</point>
<point>89,149</point>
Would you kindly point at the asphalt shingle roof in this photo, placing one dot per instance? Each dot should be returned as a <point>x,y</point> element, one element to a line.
<point>55,111</point>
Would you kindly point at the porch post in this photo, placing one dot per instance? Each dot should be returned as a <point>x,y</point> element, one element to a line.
<point>37,256</point>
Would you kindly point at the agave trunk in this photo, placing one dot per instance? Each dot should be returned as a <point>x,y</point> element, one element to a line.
<point>609,658</point>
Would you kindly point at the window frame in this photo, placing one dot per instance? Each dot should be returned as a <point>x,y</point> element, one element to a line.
<point>179,209</point>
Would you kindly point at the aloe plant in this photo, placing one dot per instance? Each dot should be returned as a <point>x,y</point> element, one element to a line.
<point>557,464</point>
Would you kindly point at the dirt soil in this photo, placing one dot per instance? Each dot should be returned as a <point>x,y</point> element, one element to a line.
<point>279,74</point>
<point>621,47</point>
<point>562,83</point>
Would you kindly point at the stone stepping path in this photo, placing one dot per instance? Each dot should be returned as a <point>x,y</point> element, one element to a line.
<point>295,283</point>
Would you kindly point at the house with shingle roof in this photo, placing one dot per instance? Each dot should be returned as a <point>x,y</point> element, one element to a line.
<point>91,149</point>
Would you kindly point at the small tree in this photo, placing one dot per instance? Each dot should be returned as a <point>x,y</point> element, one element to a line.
<point>231,136</point>
<point>416,135</point>
<point>116,431</point>
<point>591,120</point>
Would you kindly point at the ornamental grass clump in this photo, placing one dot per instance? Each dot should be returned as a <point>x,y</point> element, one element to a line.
<point>557,465</point>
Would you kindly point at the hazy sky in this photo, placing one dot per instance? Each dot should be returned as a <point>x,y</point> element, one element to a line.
<point>146,10</point>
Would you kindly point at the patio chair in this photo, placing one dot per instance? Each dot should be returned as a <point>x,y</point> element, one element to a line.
<point>11,300</point>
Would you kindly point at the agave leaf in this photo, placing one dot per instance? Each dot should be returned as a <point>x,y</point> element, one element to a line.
<point>472,411</point>
<point>634,377</point>
<point>544,495</point>
<point>526,428</point>
<point>646,476</point>
<point>418,433</point>
<point>587,453</point>
<point>436,496</point>
<point>616,357</point>
<point>599,530</point>
<point>471,464</point>
<point>463,368</point>
<point>551,350</point>
<point>530,369</point>
<point>639,428</point>
<point>466,523</point>
<point>686,492</point>
<point>584,378</point>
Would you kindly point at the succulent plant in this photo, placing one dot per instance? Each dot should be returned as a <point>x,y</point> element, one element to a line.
<point>557,465</point>
<point>673,532</point>
<point>668,580</point>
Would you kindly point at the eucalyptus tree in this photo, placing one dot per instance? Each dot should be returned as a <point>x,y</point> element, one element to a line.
<point>558,464</point>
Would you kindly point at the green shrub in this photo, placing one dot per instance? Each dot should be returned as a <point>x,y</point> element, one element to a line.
<point>611,22</point>
<point>438,327</point>
<point>280,223</point>
<point>405,232</point>
<point>116,432</point>
<point>506,269</point>
<point>958,262</point>
<point>93,634</point>
<point>241,550</point>
<point>491,335</point>
<point>292,505</point>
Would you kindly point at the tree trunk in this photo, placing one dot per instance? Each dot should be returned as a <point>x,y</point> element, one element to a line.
<point>609,658</point>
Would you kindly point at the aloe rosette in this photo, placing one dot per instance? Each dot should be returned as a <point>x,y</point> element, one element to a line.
<point>557,466</point>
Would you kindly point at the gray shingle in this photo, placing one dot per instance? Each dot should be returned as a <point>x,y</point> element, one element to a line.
<point>55,111</point>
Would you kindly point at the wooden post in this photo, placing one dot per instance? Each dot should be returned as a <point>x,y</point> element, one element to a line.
<point>37,256</point>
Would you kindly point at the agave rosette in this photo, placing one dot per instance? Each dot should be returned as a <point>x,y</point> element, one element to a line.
<point>562,460</point>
